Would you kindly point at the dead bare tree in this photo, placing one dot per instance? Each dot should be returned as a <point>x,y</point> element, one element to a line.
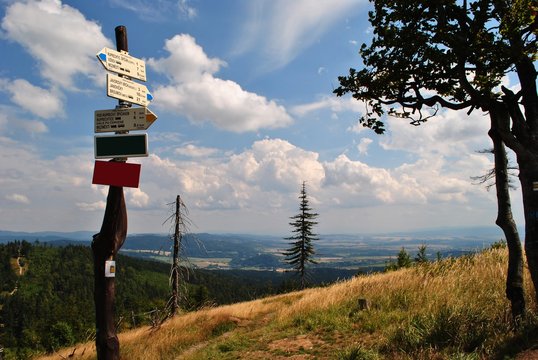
<point>181,223</point>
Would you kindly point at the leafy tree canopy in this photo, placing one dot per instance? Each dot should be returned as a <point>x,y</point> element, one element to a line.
<point>453,54</point>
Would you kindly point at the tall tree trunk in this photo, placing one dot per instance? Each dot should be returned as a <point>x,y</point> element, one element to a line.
<point>528,176</point>
<point>514,278</point>
<point>525,131</point>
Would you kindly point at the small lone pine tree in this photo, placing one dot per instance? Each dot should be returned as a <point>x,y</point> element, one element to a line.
<point>301,250</point>
<point>421,257</point>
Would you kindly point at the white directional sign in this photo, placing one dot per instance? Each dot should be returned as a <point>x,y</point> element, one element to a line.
<point>122,63</point>
<point>123,89</point>
<point>123,119</point>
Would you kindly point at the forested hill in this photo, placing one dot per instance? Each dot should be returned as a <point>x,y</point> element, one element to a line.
<point>46,293</point>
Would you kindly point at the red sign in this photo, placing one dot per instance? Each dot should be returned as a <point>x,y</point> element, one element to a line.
<point>115,173</point>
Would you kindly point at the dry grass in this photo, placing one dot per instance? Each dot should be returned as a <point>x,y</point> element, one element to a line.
<point>407,307</point>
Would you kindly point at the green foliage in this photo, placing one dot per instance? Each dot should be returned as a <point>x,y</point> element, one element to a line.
<point>60,335</point>
<point>301,249</point>
<point>423,53</point>
<point>421,257</point>
<point>53,305</point>
<point>501,244</point>
<point>403,260</point>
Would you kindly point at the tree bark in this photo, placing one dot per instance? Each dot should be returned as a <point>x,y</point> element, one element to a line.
<point>514,279</point>
<point>528,174</point>
<point>525,130</point>
<point>105,246</point>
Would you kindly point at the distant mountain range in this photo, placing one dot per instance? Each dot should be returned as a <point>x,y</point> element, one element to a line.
<point>255,252</point>
<point>437,233</point>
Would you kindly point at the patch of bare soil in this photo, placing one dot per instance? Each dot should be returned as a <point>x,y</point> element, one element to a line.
<point>528,355</point>
<point>295,345</point>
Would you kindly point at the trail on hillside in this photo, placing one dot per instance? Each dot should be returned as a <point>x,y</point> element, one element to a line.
<point>20,272</point>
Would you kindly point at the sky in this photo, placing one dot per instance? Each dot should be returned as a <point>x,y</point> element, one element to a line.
<point>243,94</point>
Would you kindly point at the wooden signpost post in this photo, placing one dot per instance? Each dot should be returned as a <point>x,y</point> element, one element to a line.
<point>117,174</point>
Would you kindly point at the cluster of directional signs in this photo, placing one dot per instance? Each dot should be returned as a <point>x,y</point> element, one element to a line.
<point>121,120</point>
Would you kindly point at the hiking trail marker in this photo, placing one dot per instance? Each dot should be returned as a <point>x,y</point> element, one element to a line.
<point>126,119</point>
<point>123,118</point>
<point>122,63</point>
<point>124,89</point>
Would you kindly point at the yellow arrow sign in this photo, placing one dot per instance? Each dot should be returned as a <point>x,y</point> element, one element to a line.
<point>127,119</point>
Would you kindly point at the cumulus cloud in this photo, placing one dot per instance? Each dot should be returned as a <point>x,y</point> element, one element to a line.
<point>362,185</point>
<point>269,173</point>
<point>187,61</point>
<point>196,93</point>
<point>57,188</point>
<point>451,133</point>
<point>262,179</point>
<point>276,164</point>
<point>63,41</point>
<point>137,198</point>
<point>39,101</point>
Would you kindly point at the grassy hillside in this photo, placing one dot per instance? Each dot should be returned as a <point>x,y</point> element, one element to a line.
<point>452,309</point>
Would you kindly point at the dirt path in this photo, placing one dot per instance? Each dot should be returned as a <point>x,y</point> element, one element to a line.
<point>21,271</point>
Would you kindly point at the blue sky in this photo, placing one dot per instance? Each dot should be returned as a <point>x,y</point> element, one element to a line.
<point>243,91</point>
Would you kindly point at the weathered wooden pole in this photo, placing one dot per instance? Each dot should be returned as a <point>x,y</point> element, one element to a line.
<point>105,246</point>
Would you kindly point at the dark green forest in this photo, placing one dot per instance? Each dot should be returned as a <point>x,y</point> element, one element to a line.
<point>51,304</point>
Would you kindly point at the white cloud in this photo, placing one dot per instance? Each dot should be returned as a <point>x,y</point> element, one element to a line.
<point>262,180</point>
<point>286,28</point>
<point>275,164</point>
<point>94,206</point>
<point>53,185</point>
<point>195,151</point>
<point>157,10</point>
<point>44,103</point>
<point>356,184</point>
<point>186,10</point>
<point>451,133</point>
<point>32,126</point>
<point>195,93</point>
<point>363,145</point>
<point>136,197</point>
<point>333,103</point>
<point>58,36</point>
<point>187,61</point>
<point>18,198</point>
<point>11,123</point>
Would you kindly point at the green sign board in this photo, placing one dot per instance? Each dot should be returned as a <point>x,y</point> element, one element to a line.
<point>128,145</point>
